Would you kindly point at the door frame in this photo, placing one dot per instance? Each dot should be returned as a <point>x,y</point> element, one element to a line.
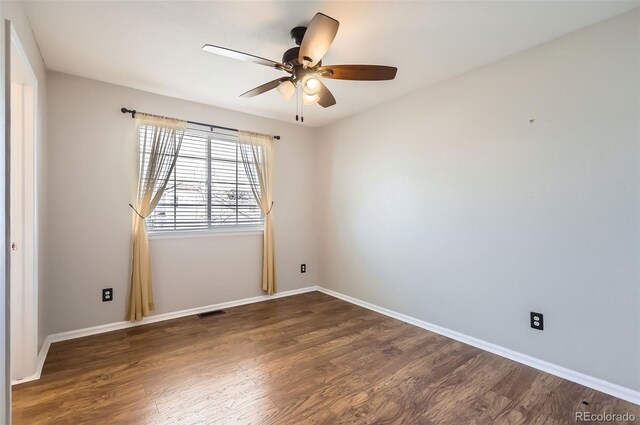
<point>5,374</point>
<point>29,316</point>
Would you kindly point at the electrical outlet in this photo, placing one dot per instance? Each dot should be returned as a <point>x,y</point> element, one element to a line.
<point>107,294</point>
<point>303,268</point>
<point>537,321</point>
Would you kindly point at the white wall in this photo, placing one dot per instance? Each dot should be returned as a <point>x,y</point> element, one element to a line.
<point>92,161</point>
<point>450,206</point>
<point>13,11</point>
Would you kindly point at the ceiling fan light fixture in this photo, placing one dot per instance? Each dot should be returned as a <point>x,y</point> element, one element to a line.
<point>310,99</point>
<point>311,86</point>
<point>286,89</point>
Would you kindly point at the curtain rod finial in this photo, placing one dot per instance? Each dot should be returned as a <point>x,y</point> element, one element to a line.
<point>128,111</point>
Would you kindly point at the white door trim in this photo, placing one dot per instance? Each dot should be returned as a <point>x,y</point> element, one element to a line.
<point>29,314</point>
<point>5,390</point>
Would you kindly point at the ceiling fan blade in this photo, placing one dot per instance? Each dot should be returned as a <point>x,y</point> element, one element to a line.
<point>325,98</point>
<point>264,88</point>
<point>358,72</point>
<point>246,57</point>
<point>317,39</point>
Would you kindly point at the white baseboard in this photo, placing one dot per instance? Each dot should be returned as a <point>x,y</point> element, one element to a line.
<point>42,356</point>
<point>94,330</point>
<point>63,336</point>
<point>606,387</point>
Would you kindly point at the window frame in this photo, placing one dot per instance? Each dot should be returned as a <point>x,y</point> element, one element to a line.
<point>212,230</point>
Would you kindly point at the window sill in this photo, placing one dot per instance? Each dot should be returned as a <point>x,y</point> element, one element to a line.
<point>248,231</point>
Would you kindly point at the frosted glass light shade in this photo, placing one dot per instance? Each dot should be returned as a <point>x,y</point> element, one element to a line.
<point>286,89</point>
<point>310,99</point>
<point>311,86</point>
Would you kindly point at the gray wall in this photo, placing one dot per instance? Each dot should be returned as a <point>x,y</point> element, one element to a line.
<point>450,206</point>
<point>91,171</point>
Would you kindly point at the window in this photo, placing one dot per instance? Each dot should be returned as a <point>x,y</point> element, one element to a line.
<point>208,188</point>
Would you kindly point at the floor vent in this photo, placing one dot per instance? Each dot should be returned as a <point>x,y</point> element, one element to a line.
<point>210,313</point>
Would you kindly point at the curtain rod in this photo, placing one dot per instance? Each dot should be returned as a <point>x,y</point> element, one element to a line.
<point>133,115</point>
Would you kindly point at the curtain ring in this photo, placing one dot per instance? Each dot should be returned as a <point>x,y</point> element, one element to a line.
<point>142,216</point>
<point>267,213</point>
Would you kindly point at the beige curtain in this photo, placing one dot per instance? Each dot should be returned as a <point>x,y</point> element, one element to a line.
<point>162,138</point>
<point>257,155</point>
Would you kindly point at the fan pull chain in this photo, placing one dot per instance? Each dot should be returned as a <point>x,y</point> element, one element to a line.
<point>297,101</point>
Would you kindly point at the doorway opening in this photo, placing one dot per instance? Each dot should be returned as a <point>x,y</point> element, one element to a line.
<point>23,232</point>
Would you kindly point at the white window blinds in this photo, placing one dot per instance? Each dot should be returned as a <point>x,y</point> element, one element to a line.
<point>208,189</point>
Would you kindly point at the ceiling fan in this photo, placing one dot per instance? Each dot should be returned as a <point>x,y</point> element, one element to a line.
<point>304,65</point>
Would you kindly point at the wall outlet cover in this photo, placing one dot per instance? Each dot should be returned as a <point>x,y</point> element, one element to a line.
<point>107,294</point>
<point>537,321</point>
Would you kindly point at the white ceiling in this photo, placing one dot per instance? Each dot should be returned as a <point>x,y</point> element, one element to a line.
<point>156,46</point>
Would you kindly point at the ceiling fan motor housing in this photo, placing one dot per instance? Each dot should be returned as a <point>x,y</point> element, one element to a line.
<point>297,34</point>
<point>290,57</point>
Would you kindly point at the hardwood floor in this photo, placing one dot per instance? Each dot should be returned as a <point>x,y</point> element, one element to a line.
<point>307,359</point>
